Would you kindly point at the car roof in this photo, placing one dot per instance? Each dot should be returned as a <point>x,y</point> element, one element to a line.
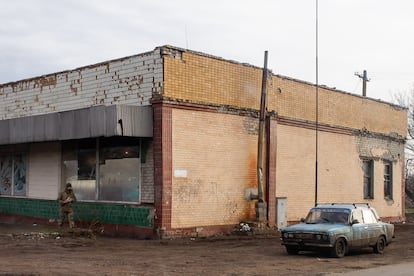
<point>344,206</point>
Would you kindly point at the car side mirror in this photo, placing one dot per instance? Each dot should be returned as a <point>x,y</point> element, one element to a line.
<point>355,221</point>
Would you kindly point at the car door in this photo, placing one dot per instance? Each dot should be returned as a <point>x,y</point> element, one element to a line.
<point>359,230</point>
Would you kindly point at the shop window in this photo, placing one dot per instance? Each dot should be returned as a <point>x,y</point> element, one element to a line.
<point>368,170</point>
<point>388,180</point>
<point>116,177</point>
<point>79,167</point>
<point>13,175</point>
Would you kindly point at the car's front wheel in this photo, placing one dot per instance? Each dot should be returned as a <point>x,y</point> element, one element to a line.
<point>292,250</point>
<point>339,249</point>
<point>380,245</point>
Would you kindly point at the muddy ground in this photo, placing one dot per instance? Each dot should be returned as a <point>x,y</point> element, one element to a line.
<point>36,251</point>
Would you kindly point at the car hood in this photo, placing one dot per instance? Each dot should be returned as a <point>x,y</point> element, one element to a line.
<point>316,228</point>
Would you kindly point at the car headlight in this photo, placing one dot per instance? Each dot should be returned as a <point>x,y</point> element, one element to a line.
<point>322,237</point>
<point>288,235</point>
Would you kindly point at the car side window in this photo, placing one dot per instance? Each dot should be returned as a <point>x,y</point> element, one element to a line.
<point>369,217</point>
<point>357,215</point>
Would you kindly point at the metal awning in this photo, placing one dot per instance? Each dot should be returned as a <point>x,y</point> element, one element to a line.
<point>96,121</point>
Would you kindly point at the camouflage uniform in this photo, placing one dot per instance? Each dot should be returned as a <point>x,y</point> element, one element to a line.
<point>65,200</point>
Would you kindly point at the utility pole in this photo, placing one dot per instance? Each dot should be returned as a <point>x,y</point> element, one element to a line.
<point>316,103</point>
<point>364,82</point>
<point>261,206</point>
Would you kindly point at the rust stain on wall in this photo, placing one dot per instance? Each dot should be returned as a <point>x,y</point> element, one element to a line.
<point>74,89</point>
<point>50,81</point>
<point>252,170</point>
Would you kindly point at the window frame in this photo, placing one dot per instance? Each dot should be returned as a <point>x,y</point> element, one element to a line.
<point>388,180</point>
<point>98,145</point>
<point>13,170</point>
<point>368,178</point>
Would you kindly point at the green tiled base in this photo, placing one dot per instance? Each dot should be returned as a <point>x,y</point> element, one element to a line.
<point>83,211</point>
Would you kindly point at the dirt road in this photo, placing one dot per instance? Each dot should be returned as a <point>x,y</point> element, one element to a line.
<point>53,253</point>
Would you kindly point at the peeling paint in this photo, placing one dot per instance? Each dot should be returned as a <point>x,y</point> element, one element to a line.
<point>74,90</point>
<point>379,148</point>
<point>125,81</point>
<point>50,81</point>
<point>380,152</point>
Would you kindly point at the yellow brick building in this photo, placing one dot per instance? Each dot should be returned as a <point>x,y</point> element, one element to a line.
<point>166,143</point>
<point>214,124</point>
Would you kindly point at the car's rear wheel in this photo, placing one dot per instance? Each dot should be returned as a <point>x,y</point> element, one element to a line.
<point>292,250</point>
<point>380,245</point>
<point>339,249</point>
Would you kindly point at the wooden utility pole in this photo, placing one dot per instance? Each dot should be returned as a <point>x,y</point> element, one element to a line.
<point>364,82</point>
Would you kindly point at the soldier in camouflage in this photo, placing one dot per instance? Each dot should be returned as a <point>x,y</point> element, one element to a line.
<point>65,200</point>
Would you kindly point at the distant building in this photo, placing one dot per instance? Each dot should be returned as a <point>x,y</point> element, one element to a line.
<point>165,143</point>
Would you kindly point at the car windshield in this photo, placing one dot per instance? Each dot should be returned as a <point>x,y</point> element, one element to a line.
<point>328,215</point>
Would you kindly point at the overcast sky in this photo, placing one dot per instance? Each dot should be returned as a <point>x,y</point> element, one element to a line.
<point>40,37</point>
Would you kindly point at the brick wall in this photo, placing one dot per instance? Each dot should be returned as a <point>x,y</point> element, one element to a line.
<point>340,175</point>
<point>203,79</point>
<point>130,81</point>
<point>147,175</point>
<point>205,152</point>
<point>214,163</point>
<point>295,169</point>
<point>162,150</point>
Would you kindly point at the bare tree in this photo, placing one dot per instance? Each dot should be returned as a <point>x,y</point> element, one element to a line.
<point>407,100</point>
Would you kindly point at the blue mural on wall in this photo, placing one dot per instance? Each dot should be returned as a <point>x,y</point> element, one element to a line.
<point>5,175</point>
<point>13,175</point>
<point>19,179</point>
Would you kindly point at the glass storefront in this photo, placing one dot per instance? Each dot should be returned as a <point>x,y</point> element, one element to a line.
<point>116,177</point>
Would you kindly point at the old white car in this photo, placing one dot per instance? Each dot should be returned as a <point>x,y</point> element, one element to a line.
<point>338,228</point>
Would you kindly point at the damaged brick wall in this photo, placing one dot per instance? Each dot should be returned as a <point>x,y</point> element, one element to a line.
<point>377,147</point>
<point>130,81</point>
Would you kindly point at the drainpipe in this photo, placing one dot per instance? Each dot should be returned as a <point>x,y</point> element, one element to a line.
<point>261,206</point>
